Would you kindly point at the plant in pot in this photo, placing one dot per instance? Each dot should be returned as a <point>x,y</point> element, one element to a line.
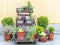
<point>31,34</point>
<point>20,34</point>
<point>7,35</point>
<point>42,21</point>
<point>42,36</point>
<point>51,33</point>
<point>7,24</point>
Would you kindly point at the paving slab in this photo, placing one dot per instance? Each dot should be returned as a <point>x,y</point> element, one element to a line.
<point>56,41</point>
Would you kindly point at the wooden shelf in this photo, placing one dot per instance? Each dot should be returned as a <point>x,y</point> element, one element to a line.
<point>23,14</point>
<point>25,41</point>
<point>24,24</point>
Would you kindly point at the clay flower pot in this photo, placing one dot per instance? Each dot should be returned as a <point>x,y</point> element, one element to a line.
<point>20,35</point>
<point>7,37</point>
<point>43,39</point>
<point>35,36</point>
<point>50,37</point>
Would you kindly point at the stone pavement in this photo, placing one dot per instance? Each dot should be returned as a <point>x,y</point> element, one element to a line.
<point>56,41</point>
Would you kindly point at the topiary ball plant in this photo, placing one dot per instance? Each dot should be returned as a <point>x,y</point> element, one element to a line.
<point>7,21</point>
<point>42,21</point>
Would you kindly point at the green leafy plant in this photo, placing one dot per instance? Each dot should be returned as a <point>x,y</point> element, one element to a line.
<point>14,30</point>
<point>42,21</point>
<point>20,30</point>
<point>39,30</point>
<point>30,7</point>
<point>51,29</point>
<point>23,8</point>
<point>7,21</point>
<point>30,34</point>
<point>42,34</point>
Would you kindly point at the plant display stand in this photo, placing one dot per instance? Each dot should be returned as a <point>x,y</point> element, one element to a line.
<point>24,20</point>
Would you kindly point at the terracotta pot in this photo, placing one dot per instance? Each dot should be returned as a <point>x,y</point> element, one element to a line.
<point>43,39</point>
<point>50,37</point>
<point>7,37</point>
<point>20,35</point>
<point>35,36</point>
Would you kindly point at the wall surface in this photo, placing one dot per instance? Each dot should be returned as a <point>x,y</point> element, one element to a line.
<point>52,10</point>
<point>49,8</point>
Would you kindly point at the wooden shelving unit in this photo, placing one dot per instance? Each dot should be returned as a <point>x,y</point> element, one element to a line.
<point>24,21</point>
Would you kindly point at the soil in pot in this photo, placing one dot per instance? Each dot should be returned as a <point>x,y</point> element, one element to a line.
<point>7,37</point>
<point>20,35</point>
<point>42,39</point>
<point>50,37</point>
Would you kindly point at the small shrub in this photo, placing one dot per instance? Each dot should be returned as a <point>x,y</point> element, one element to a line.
<point>7,21</point>
<point>51,29</point>
<point>42,21</point>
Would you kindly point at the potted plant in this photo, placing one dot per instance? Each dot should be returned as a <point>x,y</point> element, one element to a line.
<point>7,21</point>
<point>31,34</point>
<point>20,34</point>
<point>7,35</point>
<point>7,24</point>
<point>42,21</point>
<point>51,33</point>
<point>42,36</point>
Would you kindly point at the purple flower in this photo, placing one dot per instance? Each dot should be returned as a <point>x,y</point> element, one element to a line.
<point>46,31</point>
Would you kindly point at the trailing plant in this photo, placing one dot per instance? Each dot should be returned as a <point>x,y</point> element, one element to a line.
<point>22,8</point>
<point>42,21</point>
<point>30,7</point>
<point>51,29</point>
<point>14,30</point>
<point>30,34</point>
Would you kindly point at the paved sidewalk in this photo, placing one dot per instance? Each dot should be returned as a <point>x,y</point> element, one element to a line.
<point>56,41</point>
